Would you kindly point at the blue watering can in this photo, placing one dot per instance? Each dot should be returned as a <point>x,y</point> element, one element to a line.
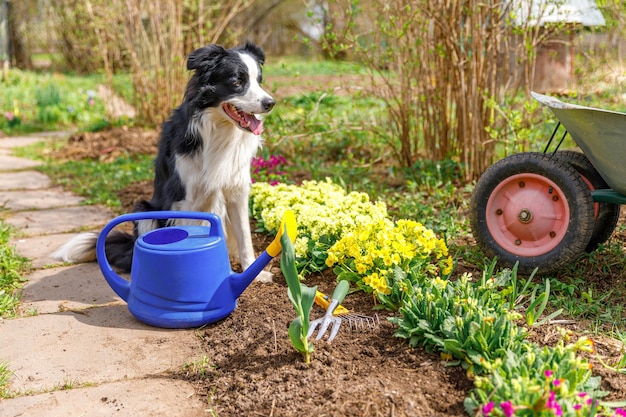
<point>181,275</point>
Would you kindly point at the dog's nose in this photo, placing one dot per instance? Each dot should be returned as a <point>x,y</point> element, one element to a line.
<point>268,104</point>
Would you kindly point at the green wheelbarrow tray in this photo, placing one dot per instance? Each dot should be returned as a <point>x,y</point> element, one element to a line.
<point>601,134</point>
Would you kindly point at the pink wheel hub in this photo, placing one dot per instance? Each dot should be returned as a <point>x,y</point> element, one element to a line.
<point>527,215</point>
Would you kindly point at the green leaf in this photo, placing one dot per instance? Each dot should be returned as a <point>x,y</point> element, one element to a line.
<point>437,341</point>
<point>476,357</point>
<point>550,317</point>
<point>288,267</point>
<point>454,347</point>
<point>296,336</point>
<point>308,298</point>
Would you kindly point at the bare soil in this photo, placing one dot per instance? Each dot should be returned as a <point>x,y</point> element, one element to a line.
<point>251,368</point>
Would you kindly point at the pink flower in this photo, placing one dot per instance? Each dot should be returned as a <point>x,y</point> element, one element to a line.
<point>507,408</point>
<point>487,408</point>
<point>551,404</point>
<point>620,412</point>
<point>548,373</point>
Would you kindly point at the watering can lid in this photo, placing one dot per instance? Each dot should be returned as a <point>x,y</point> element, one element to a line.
<point>179,238</point>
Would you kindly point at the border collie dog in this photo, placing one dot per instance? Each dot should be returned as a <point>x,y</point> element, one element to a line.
<point>204,156</point>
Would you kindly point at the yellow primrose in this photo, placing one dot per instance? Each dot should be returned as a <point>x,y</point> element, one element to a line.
<point>353,232</point>
<point>440,283</point>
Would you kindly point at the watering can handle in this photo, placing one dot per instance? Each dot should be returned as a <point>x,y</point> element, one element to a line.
<point>119,284</point>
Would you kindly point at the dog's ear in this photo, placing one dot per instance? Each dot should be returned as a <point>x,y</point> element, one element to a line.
<point>255,51</point>
<point>205,58</point>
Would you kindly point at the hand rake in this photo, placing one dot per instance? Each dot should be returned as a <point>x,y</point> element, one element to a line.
<point>329,319</point>
<point>357,322</point>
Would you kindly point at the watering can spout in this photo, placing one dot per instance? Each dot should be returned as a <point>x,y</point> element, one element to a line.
<point>240,281</point>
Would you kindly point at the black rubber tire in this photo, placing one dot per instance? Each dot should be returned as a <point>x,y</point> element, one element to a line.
<point>550,182</point>
<point>606,214</point>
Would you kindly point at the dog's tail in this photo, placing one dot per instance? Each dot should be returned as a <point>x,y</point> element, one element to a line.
<point>82,248</point>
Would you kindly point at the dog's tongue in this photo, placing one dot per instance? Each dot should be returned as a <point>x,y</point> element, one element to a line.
<point>246,120</point>
<point>256,125</point>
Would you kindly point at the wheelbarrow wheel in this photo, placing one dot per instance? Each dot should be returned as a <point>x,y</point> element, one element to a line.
<point>606,215</point>
<point>532,209</point>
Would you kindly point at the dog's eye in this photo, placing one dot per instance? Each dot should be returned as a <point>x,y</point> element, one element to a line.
<point>238,83</point>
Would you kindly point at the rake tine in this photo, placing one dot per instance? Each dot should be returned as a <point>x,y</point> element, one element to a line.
<point>335,330</point>
<point>359,322</point>
<point>323,329</point>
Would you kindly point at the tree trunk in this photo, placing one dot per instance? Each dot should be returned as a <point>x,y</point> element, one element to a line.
<point>20,56</point>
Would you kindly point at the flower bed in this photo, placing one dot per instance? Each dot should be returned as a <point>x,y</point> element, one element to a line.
<point>472,324</point>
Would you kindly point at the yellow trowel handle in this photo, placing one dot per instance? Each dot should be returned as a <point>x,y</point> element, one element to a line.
<point>323,301</point>
<point>287,224</point>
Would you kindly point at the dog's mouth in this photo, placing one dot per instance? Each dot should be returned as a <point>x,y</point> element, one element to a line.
<point>246,121</point>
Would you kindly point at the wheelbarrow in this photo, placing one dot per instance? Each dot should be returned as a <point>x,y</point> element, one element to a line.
<point>545,209</point>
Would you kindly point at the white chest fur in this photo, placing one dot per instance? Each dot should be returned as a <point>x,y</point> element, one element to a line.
<point>221,167</point>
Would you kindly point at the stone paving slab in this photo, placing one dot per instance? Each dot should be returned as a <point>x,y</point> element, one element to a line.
<point>60,289</point>
<point>89,347</point>
<point>8,163</point>
<point>57,220</point>
<point>76,350</point>
<point>131,398</point>
<point>40,248</point>
<point>23,180</point>
<point>37,199</point>
<point>18,141</point>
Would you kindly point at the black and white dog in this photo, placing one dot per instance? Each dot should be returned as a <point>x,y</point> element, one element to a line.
<point>204,156</point>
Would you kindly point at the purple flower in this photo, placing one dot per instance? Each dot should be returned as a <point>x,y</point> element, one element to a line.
<point>267,169</point>
<point>557,410</point>
<point>507,408</point>
<point>487,408</point>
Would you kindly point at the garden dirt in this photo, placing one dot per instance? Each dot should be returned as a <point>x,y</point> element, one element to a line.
<point>250,368</point>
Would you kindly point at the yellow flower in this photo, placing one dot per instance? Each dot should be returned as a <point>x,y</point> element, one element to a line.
<point>331,259</point>
<point>361,268</point>
<point>448,265</point>
<point>585,344</point>
<point>440,283</point>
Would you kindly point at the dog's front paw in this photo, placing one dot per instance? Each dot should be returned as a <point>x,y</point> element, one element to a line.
<point>264,277</point>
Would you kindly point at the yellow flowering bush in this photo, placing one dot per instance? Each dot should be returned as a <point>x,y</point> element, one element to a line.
<point>385,258</point>
<point>325,212</point>
<point>354,235</point>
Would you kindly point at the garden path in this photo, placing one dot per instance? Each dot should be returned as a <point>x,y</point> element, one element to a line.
<point>74,348</point>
